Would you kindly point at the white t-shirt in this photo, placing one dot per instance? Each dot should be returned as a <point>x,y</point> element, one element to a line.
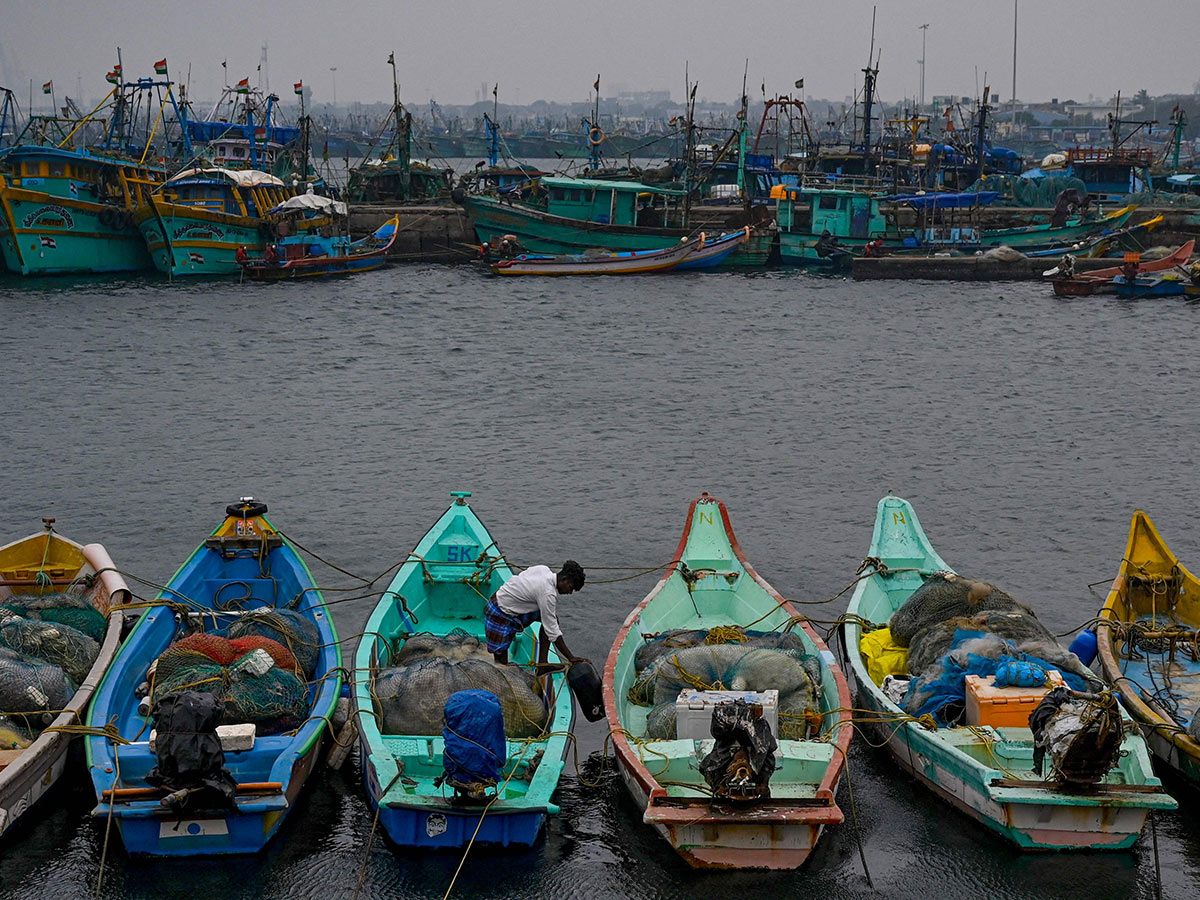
<point>534,589</point>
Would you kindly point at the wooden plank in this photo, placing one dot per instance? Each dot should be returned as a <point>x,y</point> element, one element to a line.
<point>1080,790</point>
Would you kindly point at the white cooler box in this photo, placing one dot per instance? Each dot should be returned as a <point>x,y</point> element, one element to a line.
<point>694,710</point>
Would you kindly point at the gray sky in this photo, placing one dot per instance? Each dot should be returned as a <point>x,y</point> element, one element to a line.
<point>553,50</point>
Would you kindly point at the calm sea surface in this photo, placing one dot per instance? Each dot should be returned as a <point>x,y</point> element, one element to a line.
<point>585,414</point>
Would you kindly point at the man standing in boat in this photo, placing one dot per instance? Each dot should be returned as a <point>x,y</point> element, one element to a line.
<point>527,598</point>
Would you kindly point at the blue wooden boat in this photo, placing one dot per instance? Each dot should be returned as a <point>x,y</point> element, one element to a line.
<point>1168,285</point>
<point>442,589</point>
<point>245,568</point>
<point>308,252</point>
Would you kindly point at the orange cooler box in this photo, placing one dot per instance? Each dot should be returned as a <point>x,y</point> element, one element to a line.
<point>1005,707</point>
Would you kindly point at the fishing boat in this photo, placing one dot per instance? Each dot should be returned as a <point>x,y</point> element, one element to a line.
<point>308,252</point>
<point>713,253</point>
<point>1164,284</point>
<point>201,217</point>
<point>66,211</point>
<point>598,262</point>
<point>1100,281</point>
<point>245,582</point>
<point>438,599</point>
<point>1146,642</point>
<point>35,571</point>
<point>984,771</point>
<point>711,593</point>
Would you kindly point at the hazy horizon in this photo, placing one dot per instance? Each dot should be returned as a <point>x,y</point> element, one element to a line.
<point>456,51</point>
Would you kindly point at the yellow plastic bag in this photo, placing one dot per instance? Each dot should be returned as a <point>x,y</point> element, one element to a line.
<point>882,655</point>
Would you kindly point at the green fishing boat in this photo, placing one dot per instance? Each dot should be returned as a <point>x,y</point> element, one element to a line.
<point>424,641</point>
<point>990,772</point>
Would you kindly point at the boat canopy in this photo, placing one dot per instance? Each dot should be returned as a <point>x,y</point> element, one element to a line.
<point>946,201</point>
<point>313,202</point>
<point>601,184</point>
<point>240,177</point>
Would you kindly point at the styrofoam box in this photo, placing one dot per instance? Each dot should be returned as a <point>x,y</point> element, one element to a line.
<point>233,737</point>
<point>694,709</point>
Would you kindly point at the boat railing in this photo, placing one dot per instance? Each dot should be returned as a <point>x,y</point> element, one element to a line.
<point>826,182</point>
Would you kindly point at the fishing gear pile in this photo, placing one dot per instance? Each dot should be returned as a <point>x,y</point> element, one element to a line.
<point>411,692</point>
<point>48,644</point>
<point>257,679</point>
<point>727,658</point>
<point>954,626</point>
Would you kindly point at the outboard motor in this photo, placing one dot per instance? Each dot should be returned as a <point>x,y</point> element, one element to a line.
<point>739,767</point>
<point>1081,733</point>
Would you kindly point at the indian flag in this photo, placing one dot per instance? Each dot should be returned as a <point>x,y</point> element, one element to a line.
<point>243,86</point>
<point>160,67</point>
<point>114,77</point>
<point>48,87</point>
<point>298,87</point>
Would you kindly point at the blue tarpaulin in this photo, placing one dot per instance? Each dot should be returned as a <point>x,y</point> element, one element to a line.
<point>946,201</point>
<point>474,734</point>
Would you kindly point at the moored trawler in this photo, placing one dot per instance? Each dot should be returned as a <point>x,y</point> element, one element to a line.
<point>202,216</point>
<point>71,211</point>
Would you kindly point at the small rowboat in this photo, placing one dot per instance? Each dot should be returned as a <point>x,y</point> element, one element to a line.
<point>32,567</point>
<point>1170,284</point>
<point>709,587</point>
<point>441,591</point>
<point>1101,280</point>
<point>244,572</point>
<point>313,254</point>
<point>713,253</point>
<point>602,262</point>
<point>983,771</point>
<point>1147,646</point>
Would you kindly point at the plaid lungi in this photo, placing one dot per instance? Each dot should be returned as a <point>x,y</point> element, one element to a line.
<point>501,626</point>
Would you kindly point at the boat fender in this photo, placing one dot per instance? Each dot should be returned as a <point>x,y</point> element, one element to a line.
<point>585,686</point>
<point>595,135</point>
<point>122,219</point>
<point>246,509</point>
<point>458,195</point>
<point>106,216</point>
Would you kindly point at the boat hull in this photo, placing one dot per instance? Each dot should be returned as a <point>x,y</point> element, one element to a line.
<point>183,242</point>
<point>47,235</point>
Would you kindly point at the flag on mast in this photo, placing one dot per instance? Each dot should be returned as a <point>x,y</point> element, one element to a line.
<point>596,86</point>
<point>48,87</point>
<point>243,86</point>
<point>160,67</point>
<point>392,58</point>
<point>298,87</point>
<point>113,77</point>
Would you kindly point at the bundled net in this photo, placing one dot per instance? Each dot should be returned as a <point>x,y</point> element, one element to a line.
<point>945,596</point>
<point>767,661</point>
<point>64,609</point>
<point>1018,626</point>
<point>659,645</point>
<point>258,679</point>
<point>60,645</point>
<point>33,688</point>
<point>456,645</point>
<point>14,735</point>
<point>409,698</point>
<point>289,628</point>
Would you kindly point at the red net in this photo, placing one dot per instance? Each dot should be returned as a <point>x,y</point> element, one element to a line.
<point>220,650</point>
<point>282,656</point>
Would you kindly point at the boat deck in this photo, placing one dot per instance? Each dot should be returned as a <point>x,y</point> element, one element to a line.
<point>1171,680</point>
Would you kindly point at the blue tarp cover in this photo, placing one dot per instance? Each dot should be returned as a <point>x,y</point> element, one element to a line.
<point>947,201</point>
<point>474,735</point>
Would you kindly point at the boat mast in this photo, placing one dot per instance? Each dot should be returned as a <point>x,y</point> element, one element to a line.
<point>493,128</point>
<point>981,135</point>
<point>594,145</point>
<point>1014,84</point>
<point>741,170</point>
<point>869,97</point>
<point>689,149</point>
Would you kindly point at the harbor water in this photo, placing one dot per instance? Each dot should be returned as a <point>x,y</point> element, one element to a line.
<point>584,414</point>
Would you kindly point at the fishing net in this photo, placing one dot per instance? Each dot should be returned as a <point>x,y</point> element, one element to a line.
<point>456,645</point>
<point>258,684</point>
<point>799,714</point>
<point>662,722</point>
<point>935,640</point>
<point>1194,728</point>
<point>13,734</point>
<point>410,699</point>
<point>60,645</point>
<point>30,685</point>
<point>735,667</point>
<point>65,609</point>
<point>945,596</point>
<point>289,628</point>
<point>1038,193</point>
<point>659,645</point>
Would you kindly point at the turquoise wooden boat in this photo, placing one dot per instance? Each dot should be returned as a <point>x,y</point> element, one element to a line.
<point>244,567</point>
<point>202,217</point>
<point>710,585</point>
<point>71,211</point>
<point>983,771</point>
<point>442,587</point>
